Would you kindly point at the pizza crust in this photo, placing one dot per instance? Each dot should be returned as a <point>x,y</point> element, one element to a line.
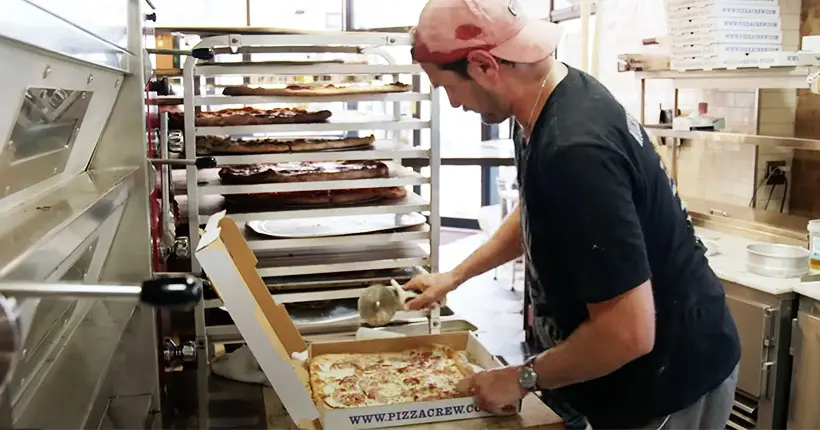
<point>295,199</point>
<point>324,90</point>
<point>249,116</point>
<point>305,171</point>
<point>215,145</point>
<point>341,381</point>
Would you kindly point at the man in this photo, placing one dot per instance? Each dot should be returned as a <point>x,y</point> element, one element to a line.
<point>634,325</point>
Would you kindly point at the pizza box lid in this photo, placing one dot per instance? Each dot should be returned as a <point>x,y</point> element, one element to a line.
<point>267,328</point>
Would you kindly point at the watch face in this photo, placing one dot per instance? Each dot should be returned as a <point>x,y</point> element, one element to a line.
<point>527,378</point>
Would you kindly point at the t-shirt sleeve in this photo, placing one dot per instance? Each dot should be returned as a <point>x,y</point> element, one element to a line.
<point>589,191</point>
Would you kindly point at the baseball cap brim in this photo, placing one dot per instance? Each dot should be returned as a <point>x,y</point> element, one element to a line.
<point>535,42</point>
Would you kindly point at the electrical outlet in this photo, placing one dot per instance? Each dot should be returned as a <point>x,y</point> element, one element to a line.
<point>772,165</point>
<point>774,173</point>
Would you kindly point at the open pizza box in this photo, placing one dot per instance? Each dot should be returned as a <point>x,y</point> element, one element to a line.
<point>276,344</point>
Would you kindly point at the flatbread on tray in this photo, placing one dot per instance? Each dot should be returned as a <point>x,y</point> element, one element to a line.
<point>249,116</point>
<point>302,171</point>
<point>323,90</point>
<point>216,145</point>
<point>296,199</point>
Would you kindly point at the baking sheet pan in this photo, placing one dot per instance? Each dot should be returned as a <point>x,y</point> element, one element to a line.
<point>336,226</point>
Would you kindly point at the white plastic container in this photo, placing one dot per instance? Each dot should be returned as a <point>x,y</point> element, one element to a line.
<point>814,245</point>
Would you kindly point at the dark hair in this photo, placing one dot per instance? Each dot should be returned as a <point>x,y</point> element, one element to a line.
<point>460,66</point>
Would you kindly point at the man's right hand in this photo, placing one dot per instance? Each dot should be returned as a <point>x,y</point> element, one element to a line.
<point>433,286</point>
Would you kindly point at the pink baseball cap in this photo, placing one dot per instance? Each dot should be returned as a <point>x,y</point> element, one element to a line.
<point>449,29</point>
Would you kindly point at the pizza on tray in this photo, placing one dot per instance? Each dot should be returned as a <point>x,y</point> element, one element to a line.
<point>215,145</point>
<point>251,116</point>
<point>294,199</point>
<point>319,90</point>
<point>340,381</point>
<point>302,171</point>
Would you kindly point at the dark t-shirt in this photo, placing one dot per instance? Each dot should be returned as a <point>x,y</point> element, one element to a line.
<point>600,216</point>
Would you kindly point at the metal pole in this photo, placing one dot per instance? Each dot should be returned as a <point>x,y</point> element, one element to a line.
<point>755,175</point>
<point>643,101</point>
<point>435,177</point>
<point>676,143</point>
<point>165,179</point>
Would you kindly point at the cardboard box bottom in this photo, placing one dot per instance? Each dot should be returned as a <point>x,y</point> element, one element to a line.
<point>408,413</point>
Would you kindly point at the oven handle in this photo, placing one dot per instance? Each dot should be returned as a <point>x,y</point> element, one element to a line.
<point>174,293</point>
<point>200,162</point>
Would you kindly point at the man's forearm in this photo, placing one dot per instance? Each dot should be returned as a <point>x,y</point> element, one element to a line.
<point>504,245</point>
<point>599,346</point>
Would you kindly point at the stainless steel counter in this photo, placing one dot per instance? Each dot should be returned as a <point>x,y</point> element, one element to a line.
<point>805,377</point>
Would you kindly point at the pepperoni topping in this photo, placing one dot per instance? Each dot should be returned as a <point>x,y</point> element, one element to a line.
<point>351,398</point>
<point>349,382</point>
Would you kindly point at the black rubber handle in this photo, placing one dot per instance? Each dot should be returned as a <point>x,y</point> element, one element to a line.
<point>205,162</point>
<point>151,17</point>
<point>179,293</point>
<point>206,54</point>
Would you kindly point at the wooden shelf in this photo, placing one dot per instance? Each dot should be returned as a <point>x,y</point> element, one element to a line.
<point>775,77</point>
<point>748,139</point>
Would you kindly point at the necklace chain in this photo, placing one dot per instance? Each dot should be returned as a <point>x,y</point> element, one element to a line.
<point>530,125</point>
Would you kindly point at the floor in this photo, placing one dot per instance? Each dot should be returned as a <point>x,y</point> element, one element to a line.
<point>450,235</point>
<point>487,301</point>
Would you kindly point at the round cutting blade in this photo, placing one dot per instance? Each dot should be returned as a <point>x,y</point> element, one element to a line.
<point>378,304</point>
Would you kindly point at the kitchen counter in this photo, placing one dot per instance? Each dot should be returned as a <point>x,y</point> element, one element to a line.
<point>729,264</point>
<point>535,415</point>
<point>809,289</point>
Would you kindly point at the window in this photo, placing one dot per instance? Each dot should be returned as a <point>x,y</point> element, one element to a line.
<point>376,14</point>
<point>569,49</point>
<point>203,13</point>
<point>563,4</point>
<point>459,191</point>
<point>541,8</point>
<point>319,15</point>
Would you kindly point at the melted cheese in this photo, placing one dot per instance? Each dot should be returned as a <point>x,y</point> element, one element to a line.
<point>325,373</point>
<point>329,389</point>
<point>440,381</point>
<point>390,390</point>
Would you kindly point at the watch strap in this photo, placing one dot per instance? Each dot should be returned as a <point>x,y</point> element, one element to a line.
<point>530,364</point>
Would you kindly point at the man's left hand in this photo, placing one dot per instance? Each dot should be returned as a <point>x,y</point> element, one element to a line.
<point>497,391</point>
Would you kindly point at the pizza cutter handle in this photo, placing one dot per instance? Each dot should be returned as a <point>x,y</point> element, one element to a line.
<point>406,295</point>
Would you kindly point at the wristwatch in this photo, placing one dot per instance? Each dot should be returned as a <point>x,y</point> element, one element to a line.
<point>527,377</point>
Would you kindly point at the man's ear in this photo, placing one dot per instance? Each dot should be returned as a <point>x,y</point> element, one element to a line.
<point>482,65</point>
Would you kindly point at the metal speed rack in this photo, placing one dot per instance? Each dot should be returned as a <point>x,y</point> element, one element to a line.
<point>358,255</point>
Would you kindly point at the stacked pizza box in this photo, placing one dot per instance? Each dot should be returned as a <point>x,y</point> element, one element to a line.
<point>728,34</point>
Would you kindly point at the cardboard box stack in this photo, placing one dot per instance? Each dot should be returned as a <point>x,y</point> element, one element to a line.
<point>728,34</point>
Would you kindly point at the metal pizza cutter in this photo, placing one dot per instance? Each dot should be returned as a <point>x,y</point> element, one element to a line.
<point>378,305</point>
